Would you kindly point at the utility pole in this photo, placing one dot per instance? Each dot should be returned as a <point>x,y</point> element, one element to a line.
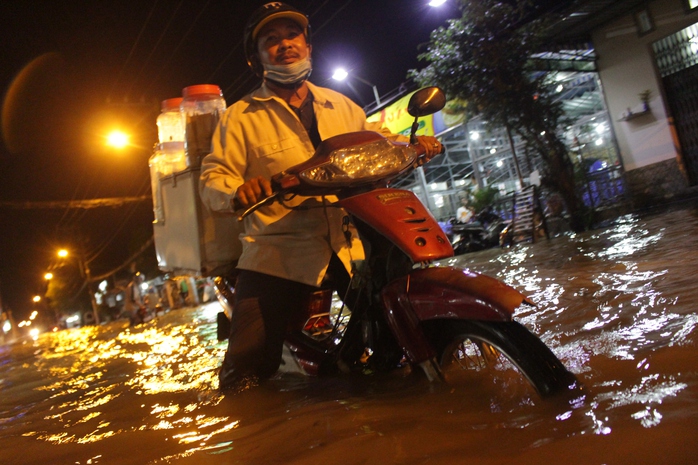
<point>513,155</point>
<point>85,271</point>
<point>84,268</point>
<point>93,300</point>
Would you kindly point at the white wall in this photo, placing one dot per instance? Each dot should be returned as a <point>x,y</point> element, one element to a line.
<point>627,68</point>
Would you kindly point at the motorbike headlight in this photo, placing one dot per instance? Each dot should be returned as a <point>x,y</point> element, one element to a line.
<point>370,161</point>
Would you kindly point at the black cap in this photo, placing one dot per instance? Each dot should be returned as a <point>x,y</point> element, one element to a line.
<point>262,16</point>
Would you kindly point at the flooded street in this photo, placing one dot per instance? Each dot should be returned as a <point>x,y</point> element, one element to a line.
<point>619,306</point>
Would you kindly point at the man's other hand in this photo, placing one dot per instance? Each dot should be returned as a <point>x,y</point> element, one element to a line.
<point>431,145</point>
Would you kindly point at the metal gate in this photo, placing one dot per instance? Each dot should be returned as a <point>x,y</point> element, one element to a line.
<point>677,59</point>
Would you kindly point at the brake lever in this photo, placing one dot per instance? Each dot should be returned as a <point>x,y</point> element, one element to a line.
<point>254,207</point>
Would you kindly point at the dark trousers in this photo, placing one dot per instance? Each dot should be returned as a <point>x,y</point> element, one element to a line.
<point>264,305</point>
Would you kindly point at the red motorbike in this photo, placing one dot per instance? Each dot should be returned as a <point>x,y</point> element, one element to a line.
<point>405,311</point>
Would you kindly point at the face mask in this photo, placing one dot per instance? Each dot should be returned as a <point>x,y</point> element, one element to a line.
<point>289,74</point>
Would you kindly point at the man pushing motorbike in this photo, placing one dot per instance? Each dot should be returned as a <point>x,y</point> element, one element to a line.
<point>289,247</point>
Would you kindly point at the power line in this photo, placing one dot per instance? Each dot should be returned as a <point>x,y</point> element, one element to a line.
<point>155,47</point>
<point>126,263</point>
<point>72,204</point>
<point>182,40</point>
<point>133,48</point>
<point>100,248</point>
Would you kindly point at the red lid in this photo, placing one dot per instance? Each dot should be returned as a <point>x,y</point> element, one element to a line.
<point>202,89</point>
<point>171,104</point>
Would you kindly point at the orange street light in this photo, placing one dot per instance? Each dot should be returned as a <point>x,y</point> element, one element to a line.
<point>48,276</point>
<point>62,253</point>
<point>117,139</point>
<point>37,298</point>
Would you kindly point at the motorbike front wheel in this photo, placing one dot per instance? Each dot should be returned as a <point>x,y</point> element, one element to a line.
<point>505,351</point>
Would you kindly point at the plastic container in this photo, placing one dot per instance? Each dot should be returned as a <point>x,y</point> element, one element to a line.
<point>169,158</point>
<point>202,106</point>
<point>170,122</point>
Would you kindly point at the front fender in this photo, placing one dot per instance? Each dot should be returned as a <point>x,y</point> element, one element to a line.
<point>443,293</point>
<point>449,292</point>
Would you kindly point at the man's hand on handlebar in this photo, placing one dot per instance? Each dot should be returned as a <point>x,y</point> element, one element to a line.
<point>431,145</point>
<point>252,192</point>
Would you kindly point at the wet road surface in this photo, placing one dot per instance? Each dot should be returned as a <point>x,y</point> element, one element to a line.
<point>619,307</point>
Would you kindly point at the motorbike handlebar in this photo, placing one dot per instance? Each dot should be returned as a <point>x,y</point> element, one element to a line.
<point>237,206</point>
<point>421,153</point>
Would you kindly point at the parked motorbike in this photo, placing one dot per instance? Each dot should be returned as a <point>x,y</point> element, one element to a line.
<point>480,234</point>
<point>402,311</point>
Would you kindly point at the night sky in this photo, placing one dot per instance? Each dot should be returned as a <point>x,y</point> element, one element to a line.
<point>71,70</point>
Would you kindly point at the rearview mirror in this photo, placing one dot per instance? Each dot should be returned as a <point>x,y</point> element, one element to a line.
<point>426,101</point>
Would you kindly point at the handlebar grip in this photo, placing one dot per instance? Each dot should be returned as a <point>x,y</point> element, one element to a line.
<point>421,153</point>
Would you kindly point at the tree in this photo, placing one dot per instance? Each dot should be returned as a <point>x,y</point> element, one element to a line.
<point>484,58</point>
<point>483,198</point>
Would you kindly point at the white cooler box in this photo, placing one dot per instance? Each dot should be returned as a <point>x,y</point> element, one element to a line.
<point>191,239</point>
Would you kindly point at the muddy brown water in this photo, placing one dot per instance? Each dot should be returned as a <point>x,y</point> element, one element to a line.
<point>619,306</point>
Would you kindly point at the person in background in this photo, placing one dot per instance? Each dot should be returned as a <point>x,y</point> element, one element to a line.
<point>287,249</point>
<point>464,213</point>
<point>134,306</point>
<point>554,215</point>
<point>184,291</point>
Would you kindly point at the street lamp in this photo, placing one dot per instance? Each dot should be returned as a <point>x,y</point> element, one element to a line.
<point>117,139</point>
<point>341,74</point>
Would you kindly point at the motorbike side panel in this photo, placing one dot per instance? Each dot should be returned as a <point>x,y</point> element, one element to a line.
<point>400,216</point>
<point>443,293</point>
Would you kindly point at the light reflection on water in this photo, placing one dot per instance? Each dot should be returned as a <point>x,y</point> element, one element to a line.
<point>618,306</point>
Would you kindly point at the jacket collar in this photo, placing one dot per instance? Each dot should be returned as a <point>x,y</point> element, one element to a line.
<point>322,98</point>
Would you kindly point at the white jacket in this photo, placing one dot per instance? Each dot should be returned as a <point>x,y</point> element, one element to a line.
<point>261,136</point>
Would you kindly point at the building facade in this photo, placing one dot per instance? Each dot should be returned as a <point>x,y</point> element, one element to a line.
<point>647,62</point>
<point>626,72</point>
